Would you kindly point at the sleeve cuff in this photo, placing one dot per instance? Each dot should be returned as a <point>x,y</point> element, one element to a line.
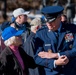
<point>54,64</point>
<point>58,54</point>
<point>55,60</point>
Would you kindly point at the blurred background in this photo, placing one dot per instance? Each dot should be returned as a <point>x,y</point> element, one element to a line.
<point>7,7</point>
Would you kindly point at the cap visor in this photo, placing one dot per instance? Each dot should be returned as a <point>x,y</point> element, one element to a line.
<point>51,20</point>
<point>26,13</point>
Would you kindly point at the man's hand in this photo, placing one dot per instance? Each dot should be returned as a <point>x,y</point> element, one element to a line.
<point>47,55</point>
<point>62,60</point>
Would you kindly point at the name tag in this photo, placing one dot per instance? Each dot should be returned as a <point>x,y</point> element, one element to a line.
<point>47,44</point>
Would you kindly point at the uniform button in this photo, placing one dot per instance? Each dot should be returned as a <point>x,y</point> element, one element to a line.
<point>70,46</point>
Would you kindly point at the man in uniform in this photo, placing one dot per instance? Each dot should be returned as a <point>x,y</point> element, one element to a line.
<point>55,44</point>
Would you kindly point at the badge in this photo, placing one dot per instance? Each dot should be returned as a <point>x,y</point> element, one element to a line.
<point>69,37</point>
<point>70,46</point>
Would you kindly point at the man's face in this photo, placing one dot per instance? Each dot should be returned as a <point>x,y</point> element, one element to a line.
<point>54,25</point>
<point>23,18</point>
<point>63,19</point>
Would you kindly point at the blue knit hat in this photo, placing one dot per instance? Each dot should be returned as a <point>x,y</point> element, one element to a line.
<point>9,32</point>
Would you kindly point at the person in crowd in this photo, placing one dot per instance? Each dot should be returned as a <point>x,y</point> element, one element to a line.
<point>55,45</point>
<point>64,18</point>
<point>70,10</point>
<point>29,44</point>
<point>13,59</point>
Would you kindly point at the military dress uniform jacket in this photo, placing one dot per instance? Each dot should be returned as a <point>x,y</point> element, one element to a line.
<point>66,45</point>
<point>9,64</point>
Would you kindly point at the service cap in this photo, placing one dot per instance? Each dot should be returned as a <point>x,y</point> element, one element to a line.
<point>51,12</point>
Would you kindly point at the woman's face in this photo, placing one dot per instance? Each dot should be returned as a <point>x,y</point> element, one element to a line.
<point>18,41</point>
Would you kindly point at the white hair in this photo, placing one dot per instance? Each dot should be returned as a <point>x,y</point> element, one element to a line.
<point>33,27</point>
<point>35,22</point>
<point>10,41</point>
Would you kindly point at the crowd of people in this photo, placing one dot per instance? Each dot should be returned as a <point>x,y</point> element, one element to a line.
<point>38,49</point>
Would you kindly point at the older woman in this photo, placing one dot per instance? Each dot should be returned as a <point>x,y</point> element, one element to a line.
<point>13,59</point>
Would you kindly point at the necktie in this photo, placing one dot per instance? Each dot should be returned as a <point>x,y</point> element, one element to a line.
<point>57,36</point>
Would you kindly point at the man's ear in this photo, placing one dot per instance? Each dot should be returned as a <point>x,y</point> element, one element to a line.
<point>37,27</point>
<point>19,16</point>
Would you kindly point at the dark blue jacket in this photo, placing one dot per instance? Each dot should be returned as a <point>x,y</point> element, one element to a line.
<point>45,40</point>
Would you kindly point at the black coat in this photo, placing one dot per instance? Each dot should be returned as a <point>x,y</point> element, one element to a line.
<point>9,64</point>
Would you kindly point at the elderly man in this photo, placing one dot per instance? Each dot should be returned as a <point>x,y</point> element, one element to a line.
<point>55,45</point>
<point>29,44</point>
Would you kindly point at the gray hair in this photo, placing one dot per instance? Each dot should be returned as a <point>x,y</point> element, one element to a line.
<point>10,41</point>
<point>35,22</point>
